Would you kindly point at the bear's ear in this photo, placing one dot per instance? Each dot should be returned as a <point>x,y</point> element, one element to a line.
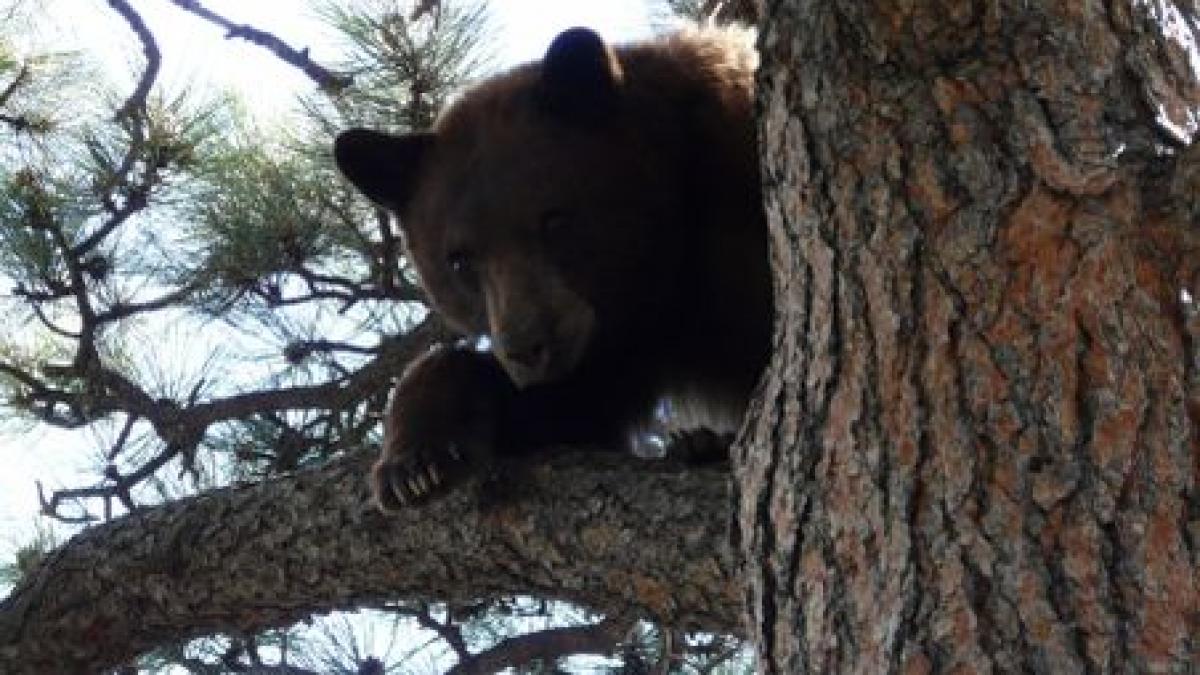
<point>383,166</point>
<point>581,76</point>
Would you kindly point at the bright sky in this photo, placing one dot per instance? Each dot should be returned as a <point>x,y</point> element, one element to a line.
<point>197,52</point>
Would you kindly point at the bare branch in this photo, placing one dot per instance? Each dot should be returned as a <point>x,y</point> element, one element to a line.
<point>446,630</point>
<point>600,639</point>
<point>136,199</point>
<point>325,79</point>
<point>40,313</point>
<point>21,78</point>
<point>136,103</point>
<point>19,123</point>
<point>134,114</point>
<point>122,310</point>
<point>182,426</point>
<point>122,438</point>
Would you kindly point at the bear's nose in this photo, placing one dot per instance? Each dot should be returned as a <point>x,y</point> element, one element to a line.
<point>533,354</point>
<point>527,358</point>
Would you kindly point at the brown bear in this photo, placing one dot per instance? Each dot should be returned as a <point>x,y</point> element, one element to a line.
<point>597,218</point>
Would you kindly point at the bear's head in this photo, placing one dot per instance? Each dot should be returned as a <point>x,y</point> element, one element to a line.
<point>540,209</point>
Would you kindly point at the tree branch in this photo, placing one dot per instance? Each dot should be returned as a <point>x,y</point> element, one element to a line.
<point>182,426</point>
<point>547,645</point>
<point>325,79</point>
<point>447,631</point>
<point>11,88</point>
<point>585,528</point>
<point>137,100</point>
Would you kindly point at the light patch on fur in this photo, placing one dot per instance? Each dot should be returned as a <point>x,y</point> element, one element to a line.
<point>681,413</point>
<point>687,412</point>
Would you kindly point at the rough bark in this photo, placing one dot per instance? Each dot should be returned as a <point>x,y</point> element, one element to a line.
<point>977,443</point>
<point>609,533</point>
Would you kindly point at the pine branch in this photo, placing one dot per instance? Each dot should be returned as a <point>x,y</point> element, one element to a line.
<point>134,114</point>
<point>182,426</point>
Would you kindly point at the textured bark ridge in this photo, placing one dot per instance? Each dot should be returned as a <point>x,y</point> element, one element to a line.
<point>977,447</point>
<point>613,534</point>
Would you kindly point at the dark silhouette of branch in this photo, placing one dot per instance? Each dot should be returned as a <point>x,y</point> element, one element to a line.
<point>446,630</point>
<point>325,79</point>
<point>136,103</point>
<point>182,426</point>
<point>133,116</point>
<point>18,81</point>
<point>600,639</point>
<point>18,123</point>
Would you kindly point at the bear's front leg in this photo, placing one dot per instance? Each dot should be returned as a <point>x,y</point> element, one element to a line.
<point>441,426</point>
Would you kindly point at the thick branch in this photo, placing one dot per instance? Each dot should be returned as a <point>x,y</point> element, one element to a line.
<point>589,529</point>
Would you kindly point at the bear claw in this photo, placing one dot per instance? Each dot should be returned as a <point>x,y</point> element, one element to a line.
<point>396,491</point>
<point>414,477</point>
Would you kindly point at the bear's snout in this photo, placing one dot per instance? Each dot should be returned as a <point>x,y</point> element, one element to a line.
<point>526,356</point>
<point>541,352</point>
<point>545,349</point>
<point>539,328</point>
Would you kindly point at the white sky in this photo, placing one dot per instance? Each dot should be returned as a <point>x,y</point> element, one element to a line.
<point>195,52</point>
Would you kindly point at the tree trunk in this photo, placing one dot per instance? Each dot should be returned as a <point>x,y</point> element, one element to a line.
<point>608,533</point>
<point>977,443</point>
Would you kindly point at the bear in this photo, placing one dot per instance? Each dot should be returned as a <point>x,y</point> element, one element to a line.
<point>593,222</point>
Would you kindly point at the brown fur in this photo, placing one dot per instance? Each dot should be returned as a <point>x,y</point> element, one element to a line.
<point>597,216</point>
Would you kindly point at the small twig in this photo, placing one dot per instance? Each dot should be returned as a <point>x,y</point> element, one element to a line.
<point>134,113</point>
<point>720,659</point>
<point>122,438</point>
<point>135,200</point>
<point>18,124</point>
<point>181,429</point>
<point>447,631</point>
<point>123,310</point>
<point>50,325</point>
<point>120,487</point>
<point>666,656</point>
<point>424,7</point>
<point>50,506</point>
<point>20,79</point>
<point>325,79</point>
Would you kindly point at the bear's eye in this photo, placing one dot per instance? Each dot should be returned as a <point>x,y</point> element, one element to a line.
<point>463,268</point>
